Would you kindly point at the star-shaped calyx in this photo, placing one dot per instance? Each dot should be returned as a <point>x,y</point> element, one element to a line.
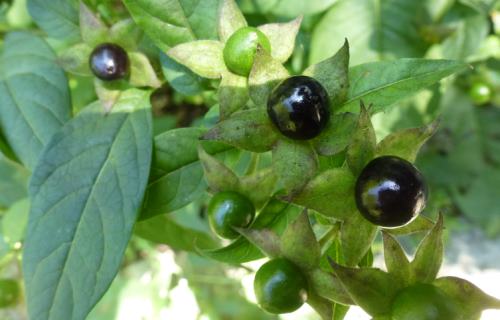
<point>231,57</point>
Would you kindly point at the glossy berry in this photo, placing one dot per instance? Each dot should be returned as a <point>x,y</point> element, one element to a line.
<point>229,209</point>
<point>298,107</point>
<point>390,191</point>
<point>109,62</point>
<point>9,292</point>
<point>480,93</point>
<point>240,49</point>
<point>280,286</point>
<point>424,302</point>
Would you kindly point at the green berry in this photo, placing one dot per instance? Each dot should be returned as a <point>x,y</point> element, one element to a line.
<point>480,93</point>
<point>240,49</point>
<point>227,210</point>
<point>280,286</point>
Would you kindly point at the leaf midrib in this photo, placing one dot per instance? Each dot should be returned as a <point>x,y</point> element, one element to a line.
<point>90,195</point>
<point>365,93</point>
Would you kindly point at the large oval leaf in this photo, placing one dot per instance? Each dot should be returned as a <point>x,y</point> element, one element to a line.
<point>13,181</point>
<point>385,82</point>
<point>170,22</point>
<point>176,174</point>
<point>34,95</point>
<point>376,30</point>
<point>59,18</point>
<point>86,191</point>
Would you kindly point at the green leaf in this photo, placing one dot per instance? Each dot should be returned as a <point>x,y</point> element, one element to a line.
<point>179,77</point>
<point>376,30</point>
<point>467,296</point>
<point>248,129</point>
<point>86,191</point>
<point>275,216</point>
<point>230,19</point>
<point>92,29</point>
<point>299,244</point>
<point>233,94</point>
<point>328,286</point>
<point>218,176</point>
<point>75,59</point>
<point>406,143</point>
<point>395,259</point>
<point>34,95</point>
<point>203,57</point>
<point>165,230</point>
<point>362,146</point>
<point>108,92</point>
<point>467,38</point>
<point>333,74</point>
<point>331,193</point>
<point>429,256</point>
<point>282,38</point>
<point>266,73</point>
<point>58,18</point>
<point>295,163</point>
<point>370,288</point>
<point>14,221</point>
<point>337,134</point>
<point>176,173</point>
<point>142,73</point>
<point>13,181</point>
<point>171,22</point>
<point>420,224</point>
<point>257,6</point>
<point>293,8</point>
<point>384,83</point>
<point>356,236</point>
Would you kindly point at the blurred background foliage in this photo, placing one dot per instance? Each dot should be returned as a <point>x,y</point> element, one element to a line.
<point>461,162</point>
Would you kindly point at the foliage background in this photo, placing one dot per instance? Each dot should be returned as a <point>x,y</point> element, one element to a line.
<point>461,162</point>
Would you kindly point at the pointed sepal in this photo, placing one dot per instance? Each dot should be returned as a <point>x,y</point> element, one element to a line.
<point>266,73</point>
<point>230,19</point>
<point>331,193</point>
<point>370,288</point>
<point>429,256</point>
<point>396,261</point>
<point>333,74</point>
<point>299,244</point>
<point>294,163</point>
<point>203,57</point>
<point>247,129</point>
<point>282,38</point>
<point>363,142</point>
<point>406,143</point>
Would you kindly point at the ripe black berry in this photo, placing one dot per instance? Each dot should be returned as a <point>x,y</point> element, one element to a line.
<point>390,191</point>
<point>109,62</point>
<point>298,106</point>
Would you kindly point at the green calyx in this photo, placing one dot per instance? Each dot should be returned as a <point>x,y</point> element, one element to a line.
<point>280,286</point>
<point>424,302</point>
<point>228,210</point>
<point>240,49</point>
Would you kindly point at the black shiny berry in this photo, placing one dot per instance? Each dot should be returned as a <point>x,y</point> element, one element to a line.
<point>109,62</point>
<point>390,191</point>
<point>298,107</point>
